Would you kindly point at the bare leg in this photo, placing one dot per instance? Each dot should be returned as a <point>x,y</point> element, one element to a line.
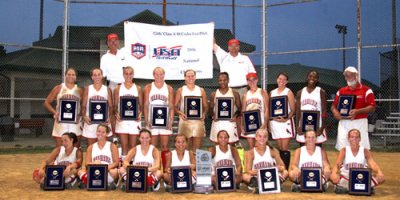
<point>164,139</point>
<point>250,142</point>
<point>58,141</point>
<point>196,143</point>
<point>132,141</point>
<point>154,140</point>
<point>124,143</point>
<point>91,141</point>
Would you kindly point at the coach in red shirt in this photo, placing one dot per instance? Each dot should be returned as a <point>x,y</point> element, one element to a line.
<point>357,119</point>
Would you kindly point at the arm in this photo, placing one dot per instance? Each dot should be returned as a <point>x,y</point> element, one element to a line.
<point>243,110</point>
<point>115,157</point>
<point>205,104</point>
<point>327,166</point>
<point>279,162</point>
<point>140,104</point>
<point>50,98</point>
<point>212,99</point>
<point>168,164</point>
<point>171,107</point>
<point>336,168</point>
<point>266,109</point>
<point>131,154</point>
<point>323,112</point>
<point>238,104</point>
<point>116,100</point>
<point>334,109</point>
<point>178,104</point>
<point>49,160</point>
<point>157,161</point>
<point>296,159</point>
<point>237,160</point>
<point>220,54</point>
<point>298,113</point>
<point>248,162</point>
<point>192,161</point>
<point>292,105</point>
<point>146,104</point>
<point>89,155</point>
<point>374,166</point>
<point>74,165</point>
<point>110,106</point>
<point>83,105</point>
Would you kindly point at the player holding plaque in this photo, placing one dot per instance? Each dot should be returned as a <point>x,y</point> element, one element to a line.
<point>180,157</point>
<point>354,156</point>
<point>309,156</point>
<point>282,129</point>
<point>225,103</point>
<point>311,97</point>
<point>146,155</point>
<point>159,93</point>
<point>96,91</point>
<point>194,130</point>
<point>223,155</point>
<point>102,152</point>
<point>358,117</point>
<point>255,99</point>
<point>67,155</point>
<point>262,156</point>
<point>128,130</point>
<point>67,91</point>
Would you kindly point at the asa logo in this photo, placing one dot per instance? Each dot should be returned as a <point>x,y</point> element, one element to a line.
<point>165,53</point>
<point>138,50</point>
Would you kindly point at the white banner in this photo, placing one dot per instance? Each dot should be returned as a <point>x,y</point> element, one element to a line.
<point>175,48</point>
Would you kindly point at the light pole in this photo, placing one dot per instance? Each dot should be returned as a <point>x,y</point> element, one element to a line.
<point>343,30</point>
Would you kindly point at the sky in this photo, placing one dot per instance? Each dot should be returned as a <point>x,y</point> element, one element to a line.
<point>290,27</point>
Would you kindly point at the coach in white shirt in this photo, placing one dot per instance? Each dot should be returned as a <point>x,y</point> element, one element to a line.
<point>112,62</point>
<point>235,64</point>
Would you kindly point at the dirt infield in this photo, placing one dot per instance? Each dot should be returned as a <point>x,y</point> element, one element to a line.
<point>16,183</point>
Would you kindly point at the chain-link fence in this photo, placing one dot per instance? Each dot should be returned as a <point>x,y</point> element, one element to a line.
<point>301,35</point>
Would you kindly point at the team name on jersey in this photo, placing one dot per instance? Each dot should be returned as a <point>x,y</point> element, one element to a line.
<point>69,96</point>
<point>97,97</point>
<point>263,164</point>
<point>102,158</point>
<point>253,100</point>
<point>65,163</point>
<point>224,162</point>
<point>309,102</point>
<point>144,164</point>
<point>353,165</point>
<point>310,164</point>
<point>159,97</point>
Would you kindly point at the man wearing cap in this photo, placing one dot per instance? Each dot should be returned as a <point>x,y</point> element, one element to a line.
<point>112,62</point>
<point>235,64</point>
<point>357,119</point>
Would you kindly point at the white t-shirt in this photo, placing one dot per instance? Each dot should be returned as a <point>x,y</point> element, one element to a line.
<point>112,66</point>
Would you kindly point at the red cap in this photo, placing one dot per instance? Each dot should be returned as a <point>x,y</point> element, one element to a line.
<point>251,75</point>
<point>233,41</point>
<point>112,36</point>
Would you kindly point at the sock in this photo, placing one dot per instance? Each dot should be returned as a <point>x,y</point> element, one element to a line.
<point>83,178</point>
<point>164,158</point>
<point>285,155</point>
<point>151,180</point>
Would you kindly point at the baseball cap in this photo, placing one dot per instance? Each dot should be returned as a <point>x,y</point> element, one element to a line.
<point>251,75</point>
<point>350,69</point>
<point>233,41</point>
<point>112,36</point>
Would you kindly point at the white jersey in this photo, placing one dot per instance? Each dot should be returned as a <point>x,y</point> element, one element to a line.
<point>103,155</point>
<point>275,93</point>
<point>159,96</point>
<point>262,161</point>
<point>143,160</point>
<point>186,92</point>
<point>127,126</point>
<point>282,130</point>
<point>89,131</point>
<point>307,160</point>
<point>255,101</point>
<point>223,159</point>
<point>72,94</point>
<point>175,162</point>
<point>64,159</point>
<point>351,161</point>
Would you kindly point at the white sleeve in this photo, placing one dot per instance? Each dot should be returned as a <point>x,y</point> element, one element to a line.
<point>103,65</point>
<point>250,66</point>
<point>220,54</point>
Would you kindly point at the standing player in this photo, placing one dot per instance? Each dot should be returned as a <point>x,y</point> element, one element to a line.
<point>144,154</point>
<point>96,91</point>
<point>354,156</point>
<point>159,93</point>
<point>112,62</point>
<point>255,99</point>
<point>102,152</point>
<point>262,156</point>
<point>128,130</point>
<point>194,130</point>
<point>311,97</point>
<point>66,90</point>
<point>68,155</point>
<point>231,125</point>
<point>358,117</point>
<point>283,129</point>
<point>309,155</point>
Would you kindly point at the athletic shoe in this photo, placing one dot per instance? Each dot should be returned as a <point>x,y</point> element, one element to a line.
<point>82,185</point>
<point>156,186</point>
<point>112,186</point>
<point>123,188</point>
<point>167,187</point>
<point>295,187</point>
<point>253,182</point>
<point>341,190</point>
<point>42,186</point>
<point>326,186</point>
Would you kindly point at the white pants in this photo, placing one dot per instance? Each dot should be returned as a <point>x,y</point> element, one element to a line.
<point>345,126</point>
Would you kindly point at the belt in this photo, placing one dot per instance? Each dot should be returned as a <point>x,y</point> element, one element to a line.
<point>239,87</point>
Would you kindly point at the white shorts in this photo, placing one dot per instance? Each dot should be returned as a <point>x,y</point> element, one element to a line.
<point>89,131</point>
<point>320,139</point>
<point>228,126</point>
<point>60,128</point>
<point>128,127</point>
<point>345,126</point>
<point>282,130</point>
<point>160,131</point>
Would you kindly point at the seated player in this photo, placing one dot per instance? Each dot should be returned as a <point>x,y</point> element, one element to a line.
<point>144,154</point>
<point>102,152</point>
<point>309,155</point>
<point>261,156</point>
<point>354,156</point>
<point>66,154</point>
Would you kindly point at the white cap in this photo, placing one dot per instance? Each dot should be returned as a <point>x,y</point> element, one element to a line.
<point>350,69</point>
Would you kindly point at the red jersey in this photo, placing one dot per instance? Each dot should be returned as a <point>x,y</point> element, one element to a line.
<point>364,97</point>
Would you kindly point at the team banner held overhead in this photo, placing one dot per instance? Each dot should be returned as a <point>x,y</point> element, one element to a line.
<point>174,48</point>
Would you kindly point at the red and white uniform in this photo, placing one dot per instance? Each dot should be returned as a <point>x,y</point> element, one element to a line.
<point>223,158</point>
<point>175,162</point>
<point>364,98</point>
<point>191,128</point>
<point>312,101</point>
<point>127,126</point>
<point>103,155</point>
<point>255,101</point>
<point>159,97</point>
<point>61,128</point>
<point>229,126</point>
<point>307,160</point>
<point>89,131</point>
<point>263,161</point>
<point>143,160</point>
<point>351,161</point>
<point>282,130</point>
<point>64,159</point>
